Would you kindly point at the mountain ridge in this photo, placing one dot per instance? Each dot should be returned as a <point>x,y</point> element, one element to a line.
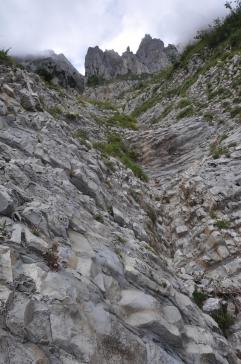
<point>150,57</point>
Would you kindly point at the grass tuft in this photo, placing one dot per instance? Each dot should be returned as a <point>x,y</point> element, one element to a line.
<point>117,148</point>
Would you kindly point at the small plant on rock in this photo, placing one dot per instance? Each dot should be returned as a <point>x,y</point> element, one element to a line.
<point>184,113</point>
<point>199,297</point>
<point>52,259</point>
<point>72,116</point>
<point>35,230</point>
<point>3,231</point>
<point>183,103</point>
<point>151,214</point>
<point>224,319</point>
<point>4,57</point>
<point>116,147</point>
<point>55,111</point>
<point>216,150</point>
<point>82,137</point>
<point>99,218</point>
<point>222,224</point>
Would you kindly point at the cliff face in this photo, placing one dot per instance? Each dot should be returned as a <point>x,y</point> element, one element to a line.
<point>54,68</point>
<point>87,273</point>
<point>98,263</point>
<point>151,57</point>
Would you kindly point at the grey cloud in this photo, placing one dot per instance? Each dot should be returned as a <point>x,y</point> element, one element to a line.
<point>70,26</point>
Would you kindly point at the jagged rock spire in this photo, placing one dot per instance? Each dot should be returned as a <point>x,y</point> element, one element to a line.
<point>151,57</point>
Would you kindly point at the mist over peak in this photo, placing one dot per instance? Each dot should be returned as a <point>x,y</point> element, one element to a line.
<point>71,27</point>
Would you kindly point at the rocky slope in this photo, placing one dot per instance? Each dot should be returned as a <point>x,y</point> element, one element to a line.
<point>152,56</point>
<point>97,265</point>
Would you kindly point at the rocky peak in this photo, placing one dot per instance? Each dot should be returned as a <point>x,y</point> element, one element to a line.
<point>152,53</point>
<point>151,57</point>
<point>54,68</point>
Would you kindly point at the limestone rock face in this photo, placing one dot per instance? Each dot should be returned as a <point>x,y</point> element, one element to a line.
<point>54,68</point>
<point>98,266</point>
<point>152,53</point>
<point>151,57</point>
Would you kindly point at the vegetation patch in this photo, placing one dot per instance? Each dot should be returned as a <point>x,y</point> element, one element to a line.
<point>222,224</point>
<point>116,147</point>
<point>55,111</point>
<point>166,111</point>
<point>208,117</point>
<point>188,111</point>
<point>99,218</point>
<point>72,116</point>
<point>123,121</point>
<point>216,150</point>
<point>183,103</point>
<point>148,104</point>
<point>104,105</point>
<point>199,297</point>
<point>5,58</point>
<point>224,319</point>
<point>82,137</point>
<point>235,111</point>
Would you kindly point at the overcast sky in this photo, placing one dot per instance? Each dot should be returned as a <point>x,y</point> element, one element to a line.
<point>70,26</point>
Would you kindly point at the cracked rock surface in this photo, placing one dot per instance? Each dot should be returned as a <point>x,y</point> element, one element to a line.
<point>97,266</point>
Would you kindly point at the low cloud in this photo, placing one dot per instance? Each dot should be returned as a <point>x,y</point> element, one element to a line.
<point>71,26</point>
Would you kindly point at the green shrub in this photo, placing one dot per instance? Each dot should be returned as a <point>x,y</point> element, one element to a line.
<point>4,57</point>
<point>55,111</point>
<point>81,135</point>
<point>72,116</point>
<point>110,165</point>
<point>213,214</point>
<point>208,117</point>
<point>183,103</point>
<point>199,297</point>
<point>235,111</point>
<point>166,111</point>
<point>222,224</point>
<point>148,104</point>
<point>217,151</point>
<point>224,319</point>
<point>123,121</point>
<point>99,218</point>
<point>136,169</point>
<point>188,111</point>
<point>105,105</point>
<point>117,148</point>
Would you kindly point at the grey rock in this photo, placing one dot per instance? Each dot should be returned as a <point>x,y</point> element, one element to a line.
<point>154,55</point>
<point>151,57</point>
<point>3,108</point>
<point>54,68</point>
<point>85,275</point>
<point>6,201</point>
<point>212,304</point>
